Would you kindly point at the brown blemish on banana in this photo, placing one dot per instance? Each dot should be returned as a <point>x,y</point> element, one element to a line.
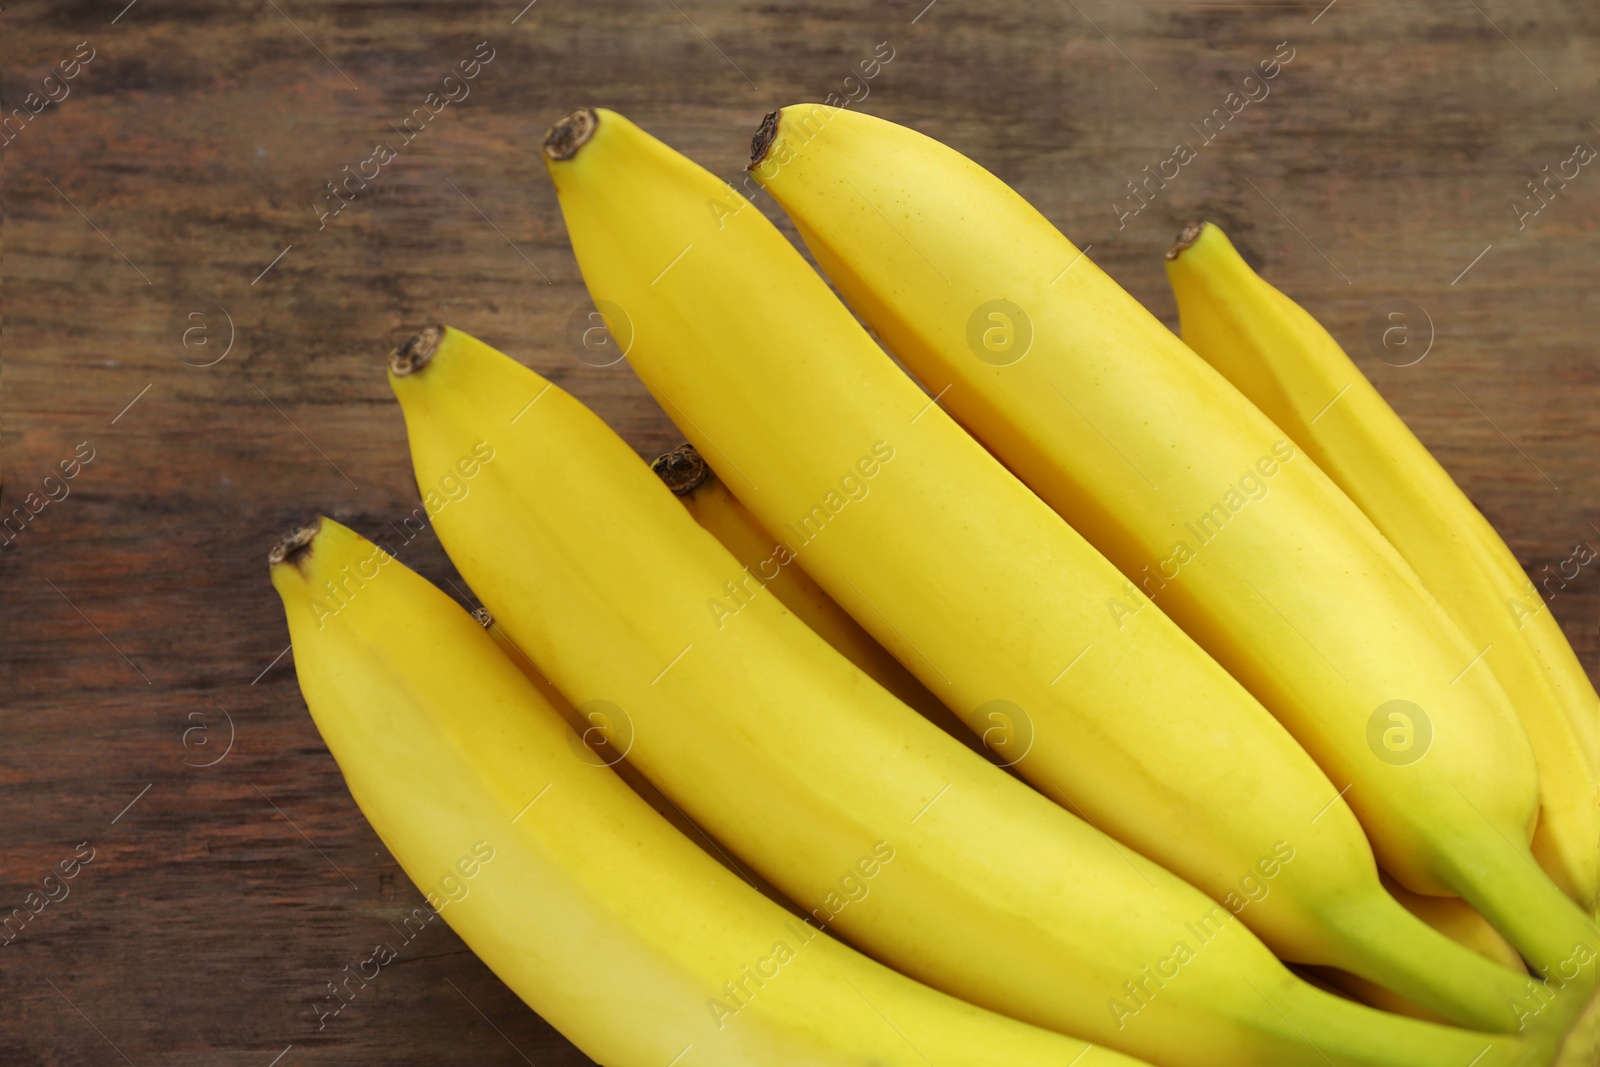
<point>415,353</point>
<point>563,140</point>
<point>1187,236</point>
<point>682,469</point>
<point>297,546</point>
<point>765,134</point>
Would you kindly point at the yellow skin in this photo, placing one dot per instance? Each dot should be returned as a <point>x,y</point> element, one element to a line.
<point>1283,360</point>
<point>802,765</point>
<point>973,583</point>
<point>1135,440</point>
<point>592,729</point>
<point>769,565</point>
<point>595,911</point>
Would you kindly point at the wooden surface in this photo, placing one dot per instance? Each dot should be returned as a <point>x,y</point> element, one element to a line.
<point>150,201</point>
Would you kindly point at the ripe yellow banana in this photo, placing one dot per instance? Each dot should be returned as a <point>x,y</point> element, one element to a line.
<point>598,914</point>
<point>1283,360</point>
<point>878,823</point>
<point>1195,495</point>
<point>594,730</point>
<point>767,564</point>
<point>970,580</point>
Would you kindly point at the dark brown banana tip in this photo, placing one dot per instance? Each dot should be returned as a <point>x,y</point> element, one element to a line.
<point>1187,236</point>
<point>296,546</point>
<point>765,134</point>
<point>485,620</point>
<point>415,353</point>
<point>563,140</point>
<point>682,469</point>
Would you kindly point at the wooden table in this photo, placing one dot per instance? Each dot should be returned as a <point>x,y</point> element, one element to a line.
<point>174,306</point>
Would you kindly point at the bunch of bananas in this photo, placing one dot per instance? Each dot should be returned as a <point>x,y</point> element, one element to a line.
<point>1161,693</point>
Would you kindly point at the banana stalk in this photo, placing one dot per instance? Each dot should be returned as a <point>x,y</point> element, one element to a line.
<point>1452,917</point>
<point>1280,357</point>
<point>971,581</point>
<point>768,565</point>
<point>1201,502</point>
<point>1455,918</point>
<point>605,920</point>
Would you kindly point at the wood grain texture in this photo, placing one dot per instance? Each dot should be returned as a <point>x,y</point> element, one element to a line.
<point>189,153</point>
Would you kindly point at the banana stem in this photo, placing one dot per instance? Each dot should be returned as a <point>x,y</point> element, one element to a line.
<point>1321,1021</point>
<point>1558,940</point>
<point>1379,940</point>
<point>563,140</point>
